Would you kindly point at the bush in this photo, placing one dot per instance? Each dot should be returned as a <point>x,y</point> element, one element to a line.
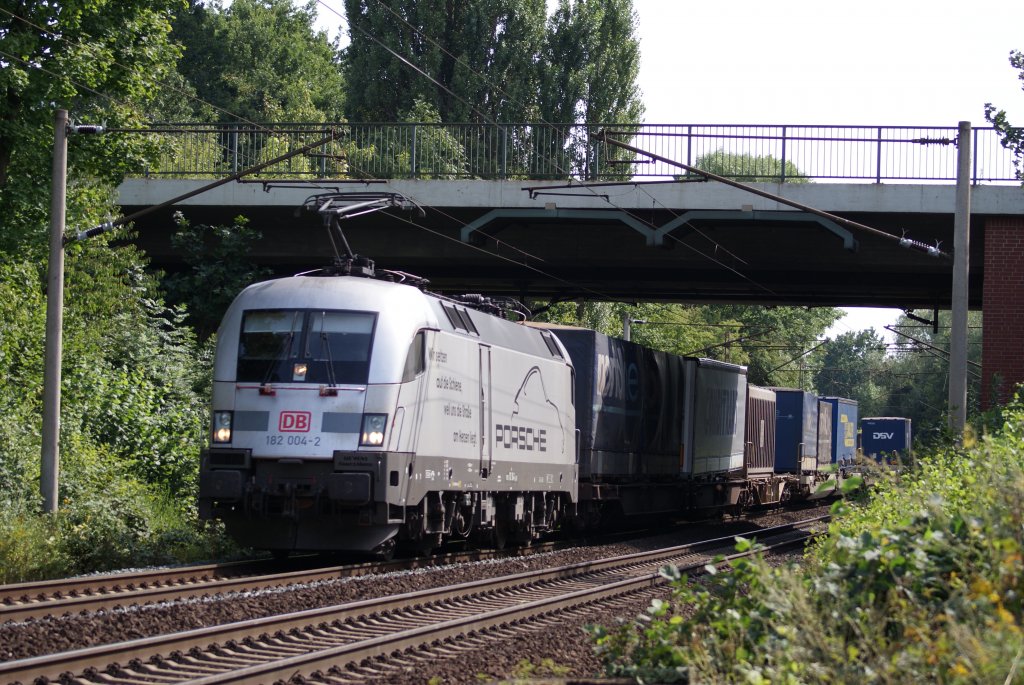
<point>133,416</point>
<point>921,583</point>
<point>107,520</point>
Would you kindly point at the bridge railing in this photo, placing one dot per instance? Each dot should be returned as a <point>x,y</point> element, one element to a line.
<point>873,154</point>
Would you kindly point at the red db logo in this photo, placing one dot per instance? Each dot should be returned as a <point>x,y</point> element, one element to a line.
<point>294,422</point>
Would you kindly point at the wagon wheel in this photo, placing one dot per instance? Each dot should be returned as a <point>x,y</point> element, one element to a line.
<point>499,534</point>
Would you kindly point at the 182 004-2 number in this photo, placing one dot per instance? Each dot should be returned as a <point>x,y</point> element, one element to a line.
<point>293,440</point>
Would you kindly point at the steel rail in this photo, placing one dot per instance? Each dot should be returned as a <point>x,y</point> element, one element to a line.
<point>76,661</point>
<point>336,657</point>
<point>92,593</point>
<point>43,590</point>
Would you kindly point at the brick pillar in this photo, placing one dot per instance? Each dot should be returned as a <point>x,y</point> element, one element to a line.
<point>1002,356</point>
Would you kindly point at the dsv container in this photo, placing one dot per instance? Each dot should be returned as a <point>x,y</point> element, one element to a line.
<point>884,438</point>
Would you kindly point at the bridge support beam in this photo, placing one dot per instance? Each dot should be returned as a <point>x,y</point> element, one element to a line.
<point>647,232</point>
<point>1003,305</point>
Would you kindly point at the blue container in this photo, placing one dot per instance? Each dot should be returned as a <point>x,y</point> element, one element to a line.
<point>796,430</point>
<point>844,429</point>
<point>885,438</point>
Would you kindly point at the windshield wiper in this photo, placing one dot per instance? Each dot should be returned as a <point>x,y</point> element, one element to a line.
<point>324,341</point>
<point>282,354</point>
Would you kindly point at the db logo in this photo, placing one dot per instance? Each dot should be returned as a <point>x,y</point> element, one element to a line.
<point>294,422</point>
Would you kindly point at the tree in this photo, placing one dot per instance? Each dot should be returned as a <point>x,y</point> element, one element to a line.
<point>753,168</point>
<point>591,64</point>
<point>474,61</point>
<point>917,383</point>
<point>99,59</point>
<point>495,61</point>
<point>218,269</point>
<point>133,376</point>
<point>854,365</point>
<point>779,341</point>
<point>1012,138</point>
<point>259,61</point>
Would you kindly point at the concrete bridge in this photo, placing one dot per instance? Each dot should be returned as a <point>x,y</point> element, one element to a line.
<point>649,233</point>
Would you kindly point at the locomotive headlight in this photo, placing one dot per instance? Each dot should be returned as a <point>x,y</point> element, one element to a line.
<point>373,430</point>
<point>299,372</point>
<point>222,426</point>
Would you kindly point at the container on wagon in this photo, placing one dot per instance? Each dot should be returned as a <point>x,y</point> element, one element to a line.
<point>886,438</point>
<point>796,431</point>
<point>824,433</point>
<point>630,403</point>
<point>714,419</point>
<point>844,429</point>
<point>759,455</point>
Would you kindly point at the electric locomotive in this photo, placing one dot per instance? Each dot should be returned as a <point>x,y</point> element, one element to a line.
<point>356,414</point>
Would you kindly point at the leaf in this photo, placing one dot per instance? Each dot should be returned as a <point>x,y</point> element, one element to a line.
<point>851,484</point>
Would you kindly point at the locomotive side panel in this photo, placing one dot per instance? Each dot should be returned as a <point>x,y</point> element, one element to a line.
<point>493,419</point>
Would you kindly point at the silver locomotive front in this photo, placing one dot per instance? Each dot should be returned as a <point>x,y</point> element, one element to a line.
<point>350,413</point>
<point>306,375</point>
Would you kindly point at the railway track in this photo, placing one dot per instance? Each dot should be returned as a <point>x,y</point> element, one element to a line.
<point>335,644</point>
<point>24,601</point>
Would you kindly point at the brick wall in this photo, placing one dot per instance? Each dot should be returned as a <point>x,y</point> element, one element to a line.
<point>1003,305</point>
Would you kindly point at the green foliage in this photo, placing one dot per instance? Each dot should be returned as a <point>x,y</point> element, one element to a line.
<point>919,580</point>
<point>135,380</point>
<point>778,341</point>
<point>484,54</point>
<point>494,61</point>
<point>101,60</point>
<point>107,520</point>
<point>134,377</point>
<point>438,153</point>
<point>747,167</point>
<point>218,268</point>
<point>259,61</point>
<point>1011,137</point>
<point>591,63</point>
<point>916,380</point>
<point>855,365</point>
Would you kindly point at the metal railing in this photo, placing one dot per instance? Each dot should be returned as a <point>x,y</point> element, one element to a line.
<point>874,154</point>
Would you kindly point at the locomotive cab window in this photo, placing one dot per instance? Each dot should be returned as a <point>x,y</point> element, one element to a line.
<point>303,346</point>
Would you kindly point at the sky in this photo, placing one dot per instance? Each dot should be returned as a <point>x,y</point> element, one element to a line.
<point>826,62</point>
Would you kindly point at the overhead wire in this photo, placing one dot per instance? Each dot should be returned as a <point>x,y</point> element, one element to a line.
<point>484,116</point>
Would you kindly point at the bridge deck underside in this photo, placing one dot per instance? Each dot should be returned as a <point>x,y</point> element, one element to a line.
<point>706,260</point>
